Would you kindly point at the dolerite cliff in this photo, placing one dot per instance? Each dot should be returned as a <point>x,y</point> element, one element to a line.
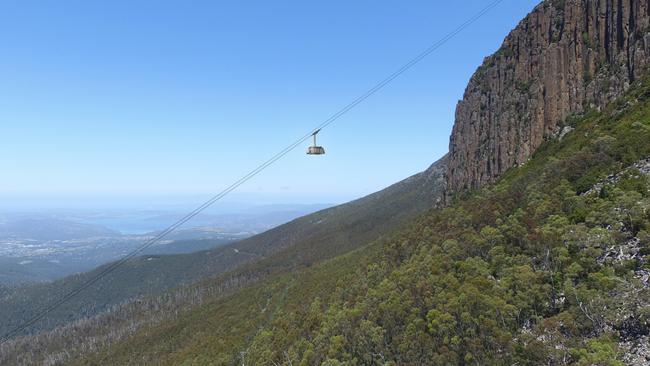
<point>562,59</point>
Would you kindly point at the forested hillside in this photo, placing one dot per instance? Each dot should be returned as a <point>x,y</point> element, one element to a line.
<point>547,266</point>
<point>299,243</point>
<point>140,276</point>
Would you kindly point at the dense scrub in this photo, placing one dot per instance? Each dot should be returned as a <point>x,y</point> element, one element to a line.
<point>140,276</point>
<point>537,269</point>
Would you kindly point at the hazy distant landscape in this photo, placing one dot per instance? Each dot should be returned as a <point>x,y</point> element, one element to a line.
<point>488,165</point>
<point>38,246</point>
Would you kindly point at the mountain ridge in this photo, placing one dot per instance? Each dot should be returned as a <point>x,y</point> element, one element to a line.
<point>562,59</point>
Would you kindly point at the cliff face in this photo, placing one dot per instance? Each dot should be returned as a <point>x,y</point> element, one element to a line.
<point>565,57</point>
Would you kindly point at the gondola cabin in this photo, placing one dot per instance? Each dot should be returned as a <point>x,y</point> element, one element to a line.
<point>315,149</point>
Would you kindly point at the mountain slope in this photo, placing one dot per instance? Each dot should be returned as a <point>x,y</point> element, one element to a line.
<point>548,266</point>
<point>304,241</point>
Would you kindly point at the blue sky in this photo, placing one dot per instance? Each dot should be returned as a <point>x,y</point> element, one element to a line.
<point>145,99</point>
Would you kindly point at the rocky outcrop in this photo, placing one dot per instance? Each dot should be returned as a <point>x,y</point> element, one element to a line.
<point>565,57</point>
<point>642,167</point>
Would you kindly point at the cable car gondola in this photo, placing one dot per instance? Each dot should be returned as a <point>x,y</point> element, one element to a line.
<point>314,149</point>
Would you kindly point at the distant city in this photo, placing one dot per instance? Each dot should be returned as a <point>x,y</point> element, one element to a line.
<point>45,245</point>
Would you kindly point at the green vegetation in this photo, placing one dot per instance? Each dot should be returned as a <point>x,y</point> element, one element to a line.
<point>290,247</point>
<point>215,332</point>
<point>516,274</point>
<point>147,275</point>
<point>523,272</point>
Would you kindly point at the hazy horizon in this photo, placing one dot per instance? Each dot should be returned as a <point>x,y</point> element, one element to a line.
<point>10,203</point>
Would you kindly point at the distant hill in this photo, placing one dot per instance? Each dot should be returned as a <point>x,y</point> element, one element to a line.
<point>311,238</point>
<point>38,247</point>
<point>50,228</point>
<point>14,271</point>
